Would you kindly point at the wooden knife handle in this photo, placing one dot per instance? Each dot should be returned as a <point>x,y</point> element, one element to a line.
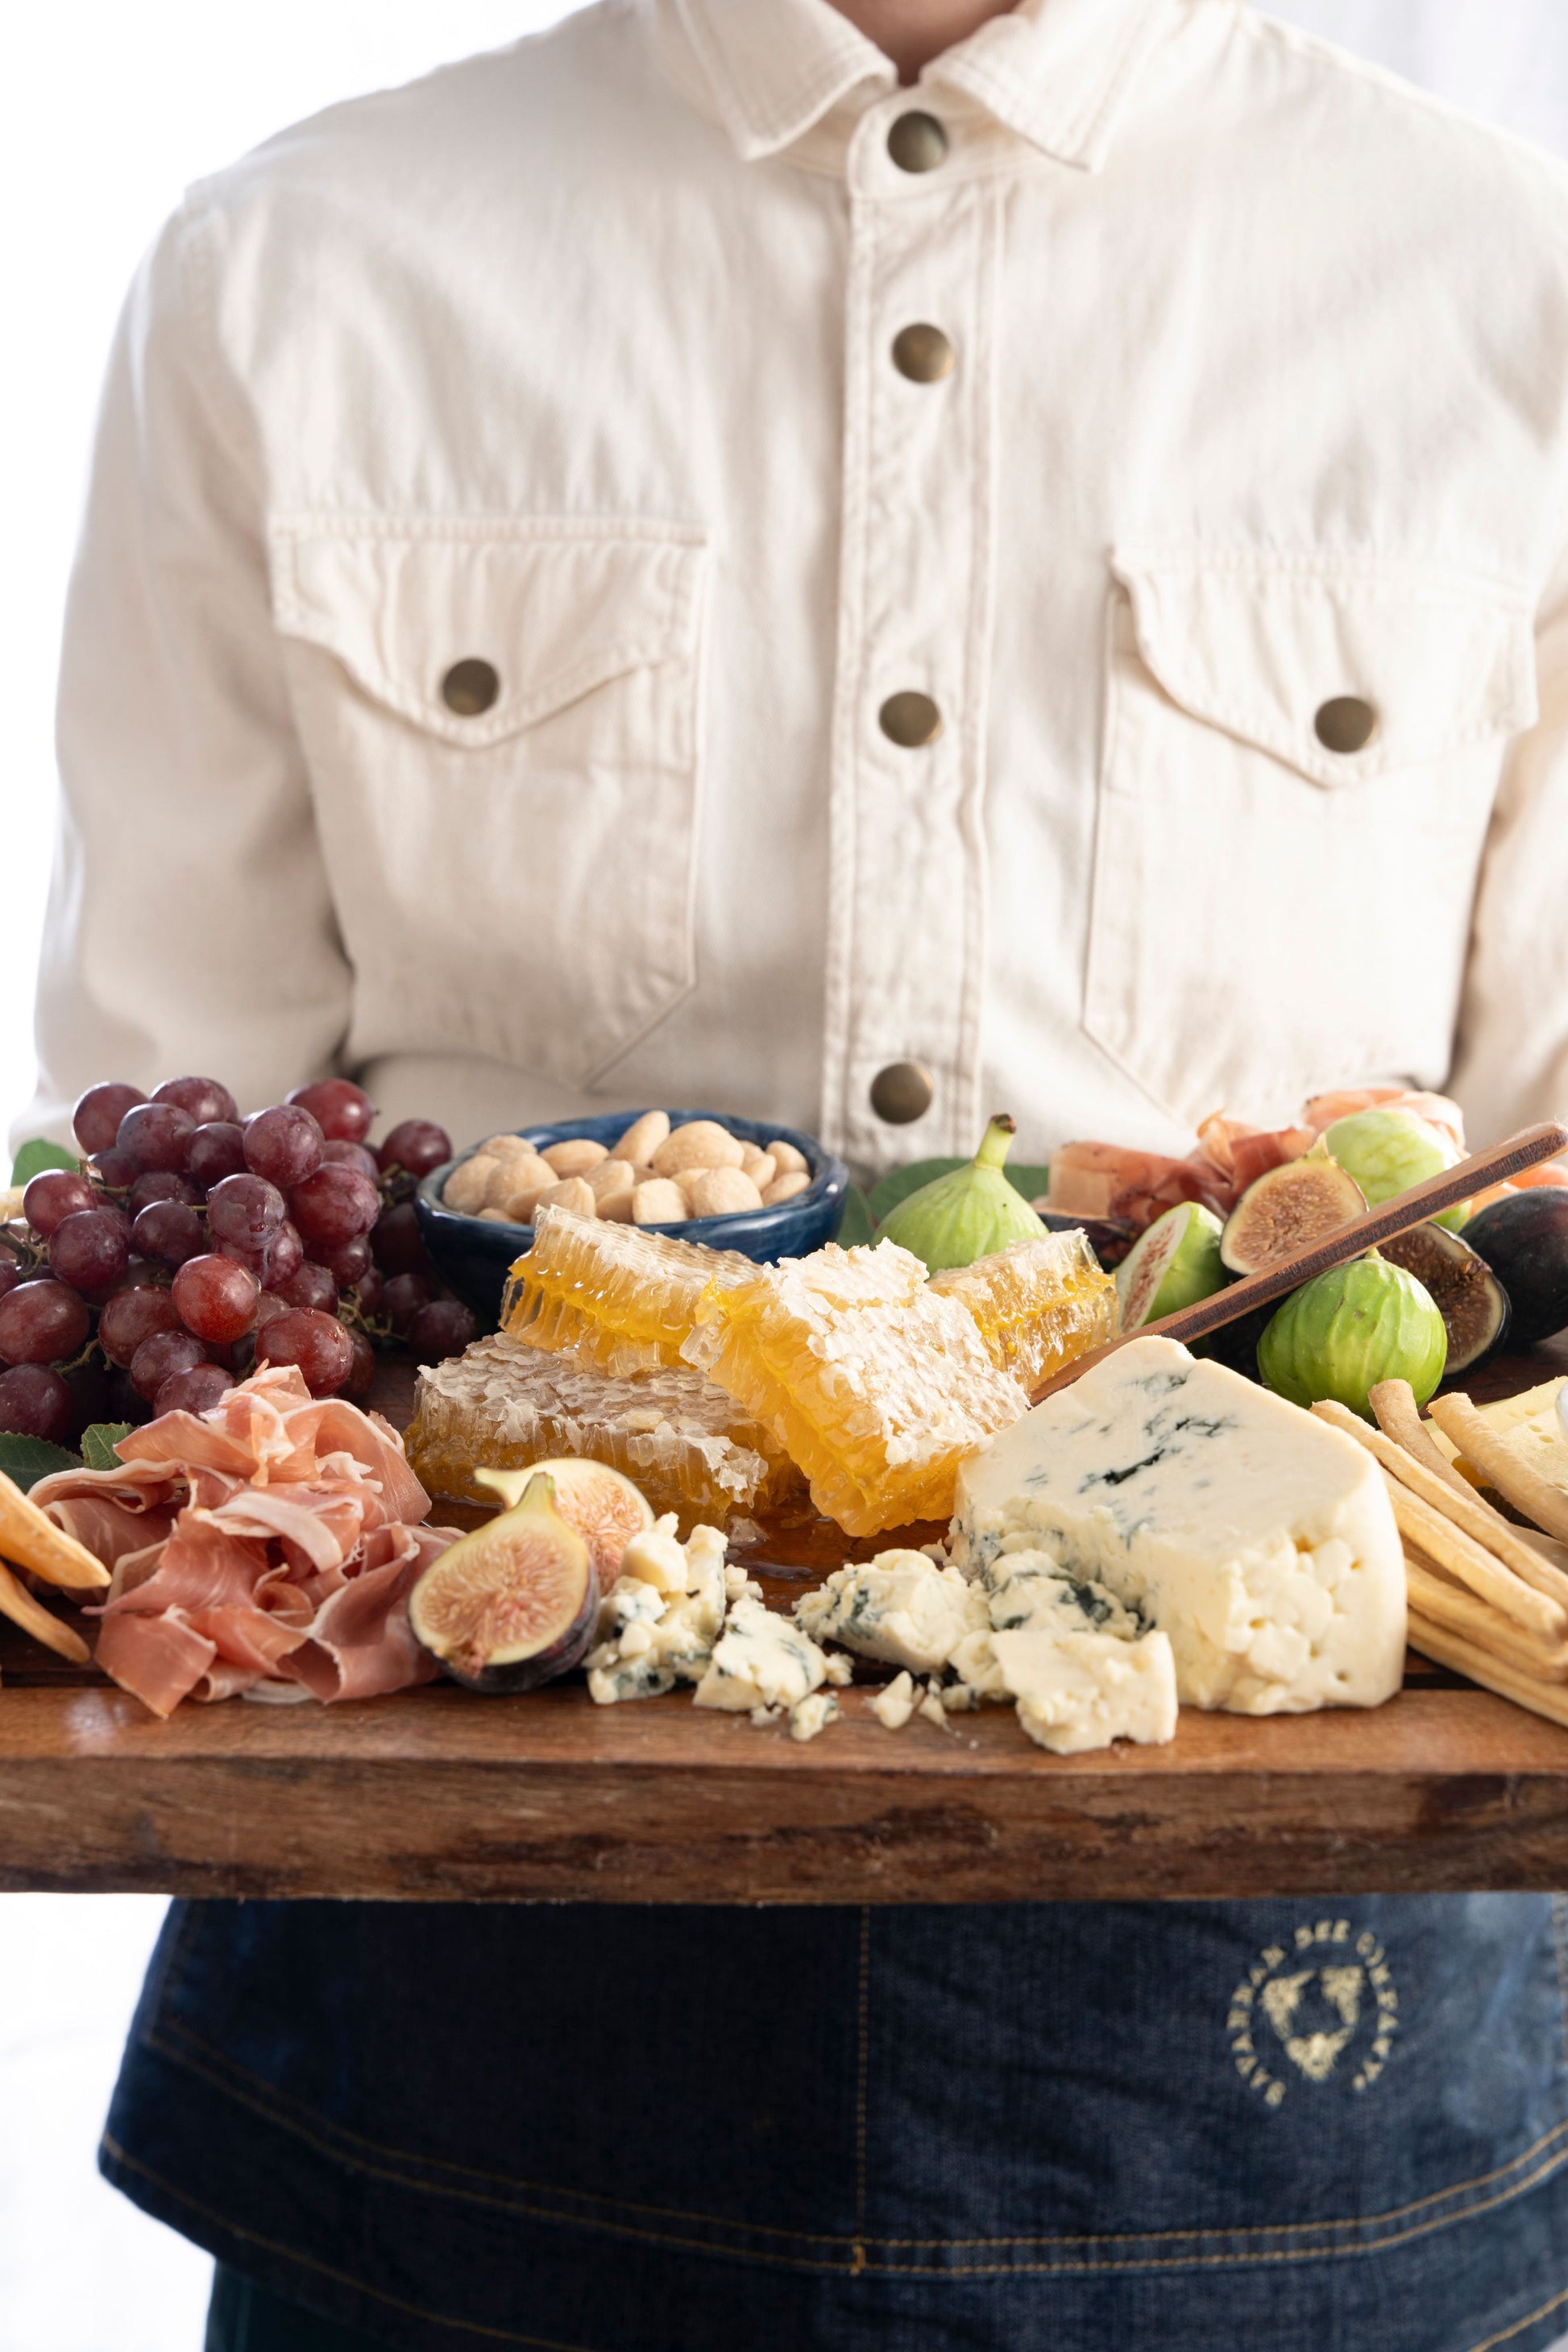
<point>1525,1150</point>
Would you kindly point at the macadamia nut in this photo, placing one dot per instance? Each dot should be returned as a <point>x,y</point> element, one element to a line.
<point>467,1189</point>
<point>788,1160</point>
<point>576,1157</point>
<point>785,1188</point>
<point>573,1192</point>
<point>658,1202</point>
<point>721,1193</point>
<point>643,1137</point>
<point>700,1143</point>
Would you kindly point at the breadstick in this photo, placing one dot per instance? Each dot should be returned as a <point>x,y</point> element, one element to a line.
<point>1399,1418</point>
<point>35,1542</point>
<point>18,1603</point>
<point>1465,1509</point>
<point>1466,1561</point>
<point>1500,1466</point>
<point>1549,1699</point>
<point>1440,1602</point>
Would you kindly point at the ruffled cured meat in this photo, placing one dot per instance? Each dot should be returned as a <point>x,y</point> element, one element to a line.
<point>275,1539</point>
<point>1107,1179</point>
<point>1344,1102</point>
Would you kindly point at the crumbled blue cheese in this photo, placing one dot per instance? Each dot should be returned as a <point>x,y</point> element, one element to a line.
<point>1258,1539</point>
<point>1080,1691</point>
<point>810,1715</point>
<point>894,1705</point>
<point>761,1660</point>
<point>654,1635</point>
<point>900,1607</point>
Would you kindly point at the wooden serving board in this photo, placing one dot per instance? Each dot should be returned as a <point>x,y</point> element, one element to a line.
<point>436,1794</point>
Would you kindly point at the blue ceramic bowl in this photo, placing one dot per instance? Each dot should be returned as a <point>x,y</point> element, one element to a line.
<point>474,1255</point>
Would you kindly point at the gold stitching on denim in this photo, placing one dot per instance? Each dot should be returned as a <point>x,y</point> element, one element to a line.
<point>324,2270</point>
<point>953,2270</point>
<point>862,2045</point>
<point>1529,2320</point>
<point>276,2100</point>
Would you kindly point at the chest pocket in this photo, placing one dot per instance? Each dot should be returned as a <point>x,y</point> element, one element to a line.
<point>1301,758</point>
<point>501,722</point>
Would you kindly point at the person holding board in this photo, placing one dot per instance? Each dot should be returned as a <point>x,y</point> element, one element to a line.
<point>855,564</point>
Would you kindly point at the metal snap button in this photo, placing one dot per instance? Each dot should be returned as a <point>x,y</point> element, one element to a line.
<point>1345,725</point>
<point>922,354</point>
<point>909,720</point>
<point>902,1092</point>
<point>470,688</point>
<point>917,143</point>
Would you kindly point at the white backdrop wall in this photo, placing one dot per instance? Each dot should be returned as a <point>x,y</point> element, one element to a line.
<point>106,112</point>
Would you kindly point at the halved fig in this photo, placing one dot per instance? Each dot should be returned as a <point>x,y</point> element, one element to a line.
<point>515,1603</point>
<point>1174,1265</point>
<point>605,1508</point>
<point>1469,1297</point>
<point>1287,1210</point>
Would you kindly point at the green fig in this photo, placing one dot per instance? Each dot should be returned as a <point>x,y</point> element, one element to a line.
<point>1346,1330</point>
<point>1388,1152</point>
<point>1173,1264</point>
<point>968,1213</point>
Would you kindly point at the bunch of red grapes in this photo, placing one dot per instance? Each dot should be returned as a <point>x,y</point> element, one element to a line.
<point>193,1245</point>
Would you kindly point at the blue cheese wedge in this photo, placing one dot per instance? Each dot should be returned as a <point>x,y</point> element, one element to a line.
<point>761,1660</point>
<point>1260,1540</point>
<point>1080,1691</point>
<point>899,1607</point>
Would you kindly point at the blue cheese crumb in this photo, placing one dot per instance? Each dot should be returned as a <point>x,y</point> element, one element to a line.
<point>810,1715</point>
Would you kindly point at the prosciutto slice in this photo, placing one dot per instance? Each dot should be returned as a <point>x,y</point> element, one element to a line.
<point>275,1539</point>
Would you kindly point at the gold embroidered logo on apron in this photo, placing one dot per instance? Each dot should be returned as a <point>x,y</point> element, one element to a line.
<point>1322,2009</point>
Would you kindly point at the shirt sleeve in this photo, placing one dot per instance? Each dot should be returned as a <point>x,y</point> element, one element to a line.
<point>1511,1064</point>
<point>190,924</point>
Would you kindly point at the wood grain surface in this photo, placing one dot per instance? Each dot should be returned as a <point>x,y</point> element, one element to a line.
<point>440,1794</point>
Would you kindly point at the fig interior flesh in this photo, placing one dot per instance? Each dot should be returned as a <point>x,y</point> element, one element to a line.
<point>1176,1263</point>
<point>1469,1297</point>
<point>513,1604</point>
<point>1288,1209</point>
<point>601,1503</point>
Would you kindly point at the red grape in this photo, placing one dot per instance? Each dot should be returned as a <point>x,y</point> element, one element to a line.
<point>403,1296</point>
<point>41,1322</point>
<point>398,1245</point>
<point>338,1153</point>
<point>202,1099</point>
<point>347,1265</point>
<point>244,1210</point>
<point>169,1231</point>
<point>113,1170</point>
<point>10,1273</point>
<point>416,1144</point>
<point>368,1290</point>
<point>269,1305</point>
<point>280,1255</point>
<point>155,1135</point>
<point>52,1196</point>
<point>343,1111</point>
<point>159,1184</point>
<point>132,1316</point>
<point>98,1112</point>
<point>335,1205</point>
<point>196,1391</point>
<point>160,1357</point>
<point>283,1144</point>
<point>216,1297</point>
<point>362,1370</point>
<point>318,1344</point>
<point>36,1403</point>
<point>91,1249</point>
<point>444,1328</point>
<point>217,1149</point>
<point>309,1285</point>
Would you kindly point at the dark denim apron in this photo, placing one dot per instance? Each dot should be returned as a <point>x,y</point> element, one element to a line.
<point>1311,2126</point>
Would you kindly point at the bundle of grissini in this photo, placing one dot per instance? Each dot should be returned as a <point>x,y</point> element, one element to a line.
<point>1487,1597</point>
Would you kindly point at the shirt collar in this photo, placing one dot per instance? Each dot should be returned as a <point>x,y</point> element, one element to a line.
<point>1058,72</point>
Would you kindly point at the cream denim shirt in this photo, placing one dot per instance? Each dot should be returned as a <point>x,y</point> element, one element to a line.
<point>520,514</point>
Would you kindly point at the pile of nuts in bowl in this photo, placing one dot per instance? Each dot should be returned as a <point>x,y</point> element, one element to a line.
<point>655,1175</point>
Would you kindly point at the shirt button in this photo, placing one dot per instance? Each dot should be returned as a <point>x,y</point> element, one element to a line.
<point>917,143</point>
<point>902,1092</point>
<point>909,720</point>
<point>922,354</point>
<point>1345,725</point>
<point>470,688</point>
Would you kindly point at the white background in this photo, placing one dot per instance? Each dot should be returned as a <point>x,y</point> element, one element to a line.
<point>106,111</point>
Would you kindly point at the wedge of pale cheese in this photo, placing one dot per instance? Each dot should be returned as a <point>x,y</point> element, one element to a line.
<point>1258,1539</point>
<point>1529,1425</point>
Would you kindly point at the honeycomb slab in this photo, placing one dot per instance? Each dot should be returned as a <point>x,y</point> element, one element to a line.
<point>872,1381</point>
<point>504,1405</point>
<point>611,1295</point>
<point>1037,1304</point>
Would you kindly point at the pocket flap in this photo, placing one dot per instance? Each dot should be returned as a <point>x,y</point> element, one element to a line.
<point>552,606</point>
<point>1260,644</point>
